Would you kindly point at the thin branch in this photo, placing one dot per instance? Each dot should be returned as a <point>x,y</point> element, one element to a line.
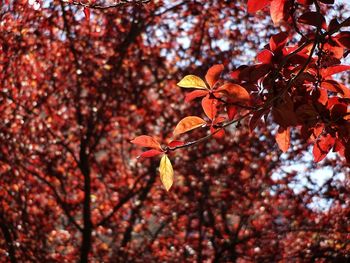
<point>115,5</point>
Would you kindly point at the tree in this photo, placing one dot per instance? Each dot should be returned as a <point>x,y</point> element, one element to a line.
<point>80,80</point>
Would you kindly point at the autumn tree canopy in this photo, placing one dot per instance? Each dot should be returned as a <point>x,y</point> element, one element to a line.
<point>174,131</point>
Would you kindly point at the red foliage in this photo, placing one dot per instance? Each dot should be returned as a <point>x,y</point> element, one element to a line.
<point>80,80</point>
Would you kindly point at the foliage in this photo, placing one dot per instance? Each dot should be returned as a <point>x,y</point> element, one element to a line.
<point>81,79</point>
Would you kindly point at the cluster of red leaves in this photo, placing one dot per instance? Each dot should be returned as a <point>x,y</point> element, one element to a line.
<point>292,83</point>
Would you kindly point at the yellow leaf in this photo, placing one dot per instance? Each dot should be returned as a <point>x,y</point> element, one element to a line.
<point>188,123</point>
<point>192,82</point>
<point>166,172</point>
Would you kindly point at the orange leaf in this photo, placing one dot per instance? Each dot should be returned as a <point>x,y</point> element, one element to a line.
<point>235,92</point>
<point>322,147</point>
<point>276,10</point>
<point>146,141</point>
<point>195,94</point>
<point>283,138</point>
<point>187,124</point>
<point>329,71</point>
<point>210,107</point>
<point>213,74</point>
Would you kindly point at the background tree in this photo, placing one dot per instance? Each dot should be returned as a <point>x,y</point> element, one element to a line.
<point>79,80</point>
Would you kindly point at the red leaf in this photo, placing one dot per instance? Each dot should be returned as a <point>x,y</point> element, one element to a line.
<point>231,112</point>
<point>87,13</point>
<point>217,134</point>
<point>276,10</point>
<point>335,86</point>
<point>213,74</point>
<point>234,92</point>
<point>256,5</point>
<point>283,138</point>
<point>343,39</point>
<point>150,153</point>
<point>254,120</point>
<point>322,147</point>
<point>218,120</point>
<point>265,56</point>
<point>175,143</point>
<point>146,141</point>
<point>329,71</point>
<point>210,107</point>
<point>195,94</point>
<point>278,41</point>
<point>338,111</point>
<point>314,19</point>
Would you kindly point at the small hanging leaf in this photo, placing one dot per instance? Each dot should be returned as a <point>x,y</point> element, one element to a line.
<point>166,172</point>
<point>187,124</point>
<point>192,82</point>
<point>283,138</point>
<point>146,141</point>
<point>87,13</point>
<point>322,147</point>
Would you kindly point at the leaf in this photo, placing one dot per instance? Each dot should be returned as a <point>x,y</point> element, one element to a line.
<point>265,56</point>
<point>150,153</point>
<point>175,143</point>
<point>87,13</point>
<point>283,138</point>
<point>231,112</point>
<point>209,106</point>
<point>322,147</point>
<point>213,74</point>
<point>192,82</point>
<point>146,141</point>
<point>276,11</point>
<point>187,124</point>
<point>256,5</point>
<point>256,117</point>
<point>195,94</point>
<point>217,133</point>
<point>278,41</point>
<point>329,71</point>
<point>314,19</point>
<point>235,92</point>
<point>343,39</point>
<point>334,86</point>
<point>166,172</point>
